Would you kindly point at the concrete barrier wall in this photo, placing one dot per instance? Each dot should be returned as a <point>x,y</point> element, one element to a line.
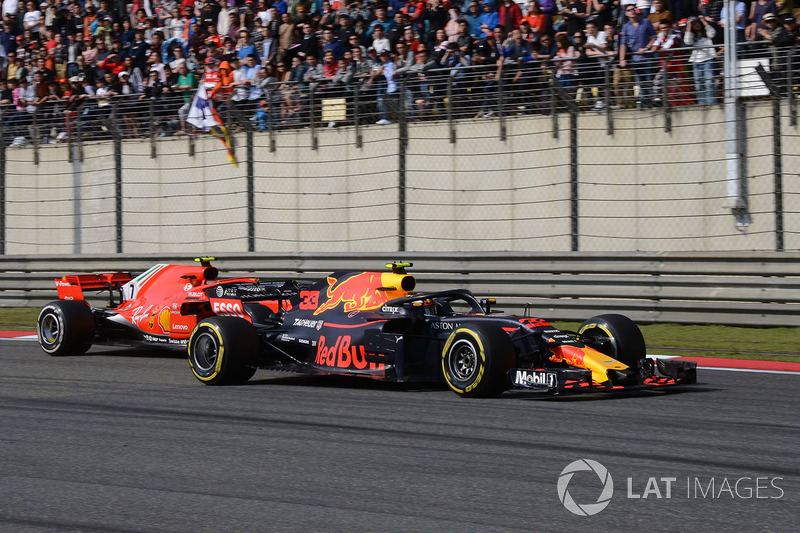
<point>641,189</point>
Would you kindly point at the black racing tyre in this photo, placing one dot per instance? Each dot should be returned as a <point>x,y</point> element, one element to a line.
<point>476,359</point>
<point>65,327</point>
<point>223,350</point>
<point>626,343</point>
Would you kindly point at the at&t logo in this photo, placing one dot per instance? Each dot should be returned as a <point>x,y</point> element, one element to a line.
<point>585,509</point>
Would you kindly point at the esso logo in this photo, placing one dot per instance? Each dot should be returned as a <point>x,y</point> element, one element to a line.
<point>227,308</point>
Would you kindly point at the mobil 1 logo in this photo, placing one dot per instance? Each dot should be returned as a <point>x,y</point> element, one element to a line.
<point>533,379</point>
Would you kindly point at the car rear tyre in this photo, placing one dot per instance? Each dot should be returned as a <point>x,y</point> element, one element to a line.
<point>624,343</point>
<point>223,351</point>
<point>65,327</point>
<point>476,359</point>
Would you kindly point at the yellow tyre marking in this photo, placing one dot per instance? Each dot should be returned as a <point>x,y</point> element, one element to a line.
<point>447,345</point>
<point>598,326</point>
<point>220,352</point>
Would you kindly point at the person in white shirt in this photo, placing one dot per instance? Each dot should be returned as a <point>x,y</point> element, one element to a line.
<point>10,7</point>
<point>32,20</point>
<point>379,40</point>
<point>594,71</point>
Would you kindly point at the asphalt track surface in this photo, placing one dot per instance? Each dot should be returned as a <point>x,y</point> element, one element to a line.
<point>121,441</point>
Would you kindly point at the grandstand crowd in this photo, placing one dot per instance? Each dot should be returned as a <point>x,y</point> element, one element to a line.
<point>74,61</point>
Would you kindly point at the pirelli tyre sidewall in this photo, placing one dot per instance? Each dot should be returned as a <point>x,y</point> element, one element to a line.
<point>476,359</point>
<point>626,340</point>
<point>65,327</point>
<point>223,351</point>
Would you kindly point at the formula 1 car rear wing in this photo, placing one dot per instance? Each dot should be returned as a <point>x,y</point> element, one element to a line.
<point>71,287</point>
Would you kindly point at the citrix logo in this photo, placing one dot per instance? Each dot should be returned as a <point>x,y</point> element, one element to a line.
<point>586,509</point>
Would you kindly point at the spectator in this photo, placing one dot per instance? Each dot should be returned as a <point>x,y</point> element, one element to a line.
<point>398,30</point>
<point>465,40</point>
<point>381,20</point>
<point>415,10</point>
<point>510,15</point>
<point>379,40</point>
<point>622,76</point>
<point>437,17</point>
<point>781,35</point>
<point>287,36</point>
<point>671,62</point>
<point>573,16</point>
<point>659,13</point>
<point>245,47</point>
<point>601,11</point>
<point>330,43</point>
<point>536,19</point>
<point>16,125</point>
<point>739,17</point>
<point>637,37</point>
<point>473,18</point>
<point>314,73</point>
<point>593,72</point>
<point>269,46</point>
<point>32,19</point>
<point>384,78</point>
<point>565,68</point>
<point>489,18</point>
<point>758,10</point>
<point>699,33</point>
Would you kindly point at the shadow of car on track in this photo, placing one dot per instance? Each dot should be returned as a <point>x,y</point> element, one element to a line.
<point>124,351</point>
<point>344,382</point>
<point>585,396</point>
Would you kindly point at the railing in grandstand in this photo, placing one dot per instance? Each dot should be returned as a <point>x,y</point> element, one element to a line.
<point>664,80</point>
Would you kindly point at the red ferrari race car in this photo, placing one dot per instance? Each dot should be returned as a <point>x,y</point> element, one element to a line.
<point>356,323</point>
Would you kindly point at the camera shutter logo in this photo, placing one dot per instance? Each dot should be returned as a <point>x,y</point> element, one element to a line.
<point>586,509</point>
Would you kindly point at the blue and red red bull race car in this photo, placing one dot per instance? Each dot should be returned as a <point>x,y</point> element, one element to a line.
<point>355,323</point>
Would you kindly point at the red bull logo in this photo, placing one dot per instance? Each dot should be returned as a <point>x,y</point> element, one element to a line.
<point>534,322</point>
<point>572,355</point>
<point>343,354</point>
<point>364,291</point>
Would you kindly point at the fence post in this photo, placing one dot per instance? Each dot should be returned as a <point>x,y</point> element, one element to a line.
<point>609,111</point>
<point>79,132</point>
<point>776,150</point>
<point>450,124</point>
<point>359,138</point>
<point>152,127</point>
<point>270,117</point>
<point>775,92</point>
<point>116,134</point>
<point>2,185</point>
<point>553,110</point>
<point>251,209</point>
<point>501,104</point>
<point>401,181</point>
<point>35,135</point>
<point>311,121</point>
<point>792,97</point>
<point>573,171</point>
<point>665,94</point>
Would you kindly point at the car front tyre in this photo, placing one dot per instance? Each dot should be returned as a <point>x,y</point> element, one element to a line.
<point>476,359</point>
<point>223,351</point>
<point>620,337</point>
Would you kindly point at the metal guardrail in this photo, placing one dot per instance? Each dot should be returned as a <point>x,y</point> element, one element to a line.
<point>758,289</point>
